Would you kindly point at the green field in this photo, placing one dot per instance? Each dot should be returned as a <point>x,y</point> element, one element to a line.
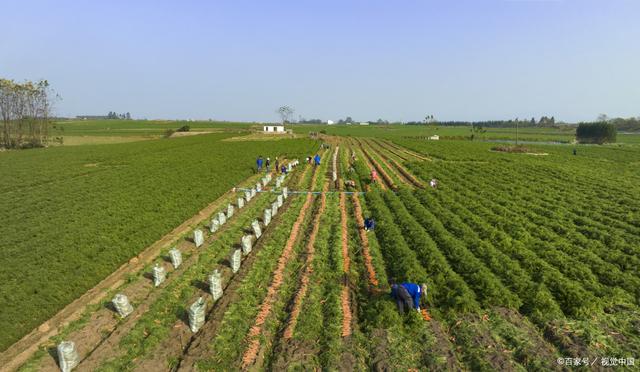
<point>529,257</point>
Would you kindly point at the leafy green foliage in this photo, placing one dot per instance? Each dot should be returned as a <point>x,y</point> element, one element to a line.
<point>596,133</point>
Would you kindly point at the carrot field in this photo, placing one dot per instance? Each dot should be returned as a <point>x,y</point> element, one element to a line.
<point>531,259</point>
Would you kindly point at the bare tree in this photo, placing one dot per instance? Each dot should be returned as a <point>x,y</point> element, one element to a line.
<point>25,110</point>
<point>285,113</point>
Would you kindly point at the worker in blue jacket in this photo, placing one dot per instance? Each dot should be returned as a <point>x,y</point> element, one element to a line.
<point>259,162</point>
<point>369,224</point>
<point>317,159</point>
<point>407,295</point>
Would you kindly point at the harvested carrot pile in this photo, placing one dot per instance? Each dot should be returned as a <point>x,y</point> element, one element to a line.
<point>425,314</point>
<point>344,295</point>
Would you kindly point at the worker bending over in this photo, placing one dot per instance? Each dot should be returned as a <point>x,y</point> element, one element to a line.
<point>369,224</point>
<point>407,295</point>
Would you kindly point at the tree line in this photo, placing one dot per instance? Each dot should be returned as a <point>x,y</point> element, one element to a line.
<point>544,121</point>
<point>25,111</point>
<point>115,115</point>
<point>602,132</point>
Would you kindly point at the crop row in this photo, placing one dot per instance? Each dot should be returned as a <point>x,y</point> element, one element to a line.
<point>580,263</point>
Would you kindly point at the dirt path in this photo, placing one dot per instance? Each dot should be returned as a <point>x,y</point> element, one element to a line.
<point>22,350</point>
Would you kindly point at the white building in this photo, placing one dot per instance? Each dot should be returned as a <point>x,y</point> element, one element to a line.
<point>364,123</point>
<point>435,137</point>
<point>330,122</point>
<point>273,129</point>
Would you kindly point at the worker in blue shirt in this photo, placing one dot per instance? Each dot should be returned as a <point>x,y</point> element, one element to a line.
<point>316,159</point>
<point>407,295</point>
<point>369,224</point>
<point>259,162</point>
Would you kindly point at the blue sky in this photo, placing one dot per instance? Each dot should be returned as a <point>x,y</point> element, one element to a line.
<point>396,60</point>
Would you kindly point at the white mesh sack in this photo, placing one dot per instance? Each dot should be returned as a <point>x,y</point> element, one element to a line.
<point>68,357</point>
<point>196,315</point>
<point>122,305</point>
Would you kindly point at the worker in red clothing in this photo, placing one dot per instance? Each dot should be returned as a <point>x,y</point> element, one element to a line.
<point>374,176</point>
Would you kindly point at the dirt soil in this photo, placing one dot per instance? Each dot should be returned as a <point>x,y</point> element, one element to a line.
<point>444,346</point>
<point>381,353</point>
<point>294,354</point>
<point>481,337</point>
<point>542,349</point>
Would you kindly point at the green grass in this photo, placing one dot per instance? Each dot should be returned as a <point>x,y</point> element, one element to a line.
<point>139,127</point>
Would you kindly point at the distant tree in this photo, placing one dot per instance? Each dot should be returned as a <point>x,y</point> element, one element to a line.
<point>285,113</point>
<point>602,132</point>
<point>25,113</point>
<point>348,120</point>
<point>603,118</point>
<point>128,116</point>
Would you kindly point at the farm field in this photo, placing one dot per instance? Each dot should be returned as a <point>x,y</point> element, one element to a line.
<point>531,259</point>
<point>72,215</point>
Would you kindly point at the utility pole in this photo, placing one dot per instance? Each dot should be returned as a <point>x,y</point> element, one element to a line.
<point>516,132</point>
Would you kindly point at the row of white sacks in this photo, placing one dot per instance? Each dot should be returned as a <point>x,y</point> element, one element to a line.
<point>68,357</point>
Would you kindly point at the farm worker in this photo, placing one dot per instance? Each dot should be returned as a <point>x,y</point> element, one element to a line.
<point>268,163</point>
<point>433,183</point>
<point>283,170</point>
<point>259,163</point>
<point>407,295</point>
<point>308,159</point>
<point>277,165</point>
<point>350,184</point>
<point>369,224</point>
<point>575,152</point>
<point>316,159</point>
<point>374,176</point>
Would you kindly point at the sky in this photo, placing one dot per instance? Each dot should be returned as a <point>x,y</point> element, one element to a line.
<point>395,60</point>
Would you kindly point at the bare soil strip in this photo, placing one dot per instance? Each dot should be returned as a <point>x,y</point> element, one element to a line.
<point>22,350</point>
<point>345,301</point>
